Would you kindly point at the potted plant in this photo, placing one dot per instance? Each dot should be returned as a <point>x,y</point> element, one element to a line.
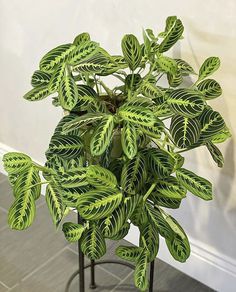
<point>117,154</point>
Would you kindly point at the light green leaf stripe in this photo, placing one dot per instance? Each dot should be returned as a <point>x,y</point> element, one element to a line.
<point>40,78</point>
<point>15,162</point>
<point>37,93</point>
<point>131,50</point>
<point>73,178</point>
<point>210,88</point>
<point>95,64</point>
<point>197,185</point>
<point>100,177</point>
<point>166,64</point>
<point>54,202</point>
<point>56,78</point>
<point>102,135</point>
<point>209,66</point>
<point>55,57</point>
<point>68,93</point>
<point>93,243</point>
<point>215,154</point>
<point>185,131</point>
<point>128,253</point>
<point>129,140</point>
<point>98,204</point>
<point>22,212</point>
<point>149,234</point>
<point>122,232</point>
<point>140,273</point>
<point>136,114</point>
<point>82,52</point>
<point>72,231</point>
<point>186,102</point>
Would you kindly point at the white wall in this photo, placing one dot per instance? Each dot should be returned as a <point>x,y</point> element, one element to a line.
<point>28,29</point>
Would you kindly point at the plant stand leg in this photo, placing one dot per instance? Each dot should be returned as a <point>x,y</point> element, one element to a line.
<point>152,266</point>
<point>92,269</point>
<point>81,263</point>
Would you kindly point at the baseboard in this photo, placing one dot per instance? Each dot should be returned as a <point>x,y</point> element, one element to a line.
<point>205,264</point>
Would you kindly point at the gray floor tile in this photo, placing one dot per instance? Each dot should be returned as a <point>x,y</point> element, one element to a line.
<point>3,288</point>
<point>22,252</point>
<point>53,276</point>
<point>3,218</point>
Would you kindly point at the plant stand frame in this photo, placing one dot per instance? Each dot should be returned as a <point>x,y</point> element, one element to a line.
<point>92,265</point>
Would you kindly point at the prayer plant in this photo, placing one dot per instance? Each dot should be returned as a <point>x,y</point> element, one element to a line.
<point>116,155</point>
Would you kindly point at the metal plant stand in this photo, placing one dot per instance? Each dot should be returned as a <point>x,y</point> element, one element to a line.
<point>92,265</point>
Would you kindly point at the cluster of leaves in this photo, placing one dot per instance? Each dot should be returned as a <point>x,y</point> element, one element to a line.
<point>115,155</point>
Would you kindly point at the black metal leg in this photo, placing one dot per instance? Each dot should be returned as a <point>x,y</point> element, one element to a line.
<point>81,263</point>
<point>152,266</point>
<point>92,269</point>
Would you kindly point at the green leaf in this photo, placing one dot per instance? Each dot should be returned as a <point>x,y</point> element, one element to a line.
<point>82,52</point>
<point>131,50</point>
<point>73,178</point>
<point>210,88</point>
<point>185,131</point>
<point>133,175</point>
<point>151,90</point>
<point>221,136</point>
<point>68,93</point>
<point>160,162</point>
<point>22,212</point>
<point>55,57</point>
<point>70,196</point>
<point>95,64</point>
<point>140,273</point>
<point>102,135</point>
<point>100,177</point>
<point>169,188</point>
<point>166,64</point>
<point>209,66</point>
<point>179,245</point>
<point>28,181</point>
<point>186,102</point>
<point>137,114</point>
<point>170,21</point>
<point>112,224</point>
<point>40,78</point>
<point>64,121</point>
<point>81,38</point>
<point>86,95</point>
<point>56,78</point>
<point>128,253</point>
<point>174,33</point>
<point>139,102</point>
<point>215,154</point>
<point>37,93</point>
<point>130,204</point>
<point>211,122</point>
<point>149,234</point>
<point>156,218</point>
<point>184,67</point>
<point>93,243</point>
<point>155,131</point>
<point>129,140</point>
<point>122,232</point>
<point>176,79</point>
<point>72,231</point>
<point>81,121</point>
<point>16,162</point>
<point>197,185</point>
<point>97,204</point>
<point>65,146</point>
<point>139,216</point>
<point>163,201</point>
<point>55,203</point>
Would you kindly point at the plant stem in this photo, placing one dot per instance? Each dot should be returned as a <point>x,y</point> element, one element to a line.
<point>108,91</point>
<point>149,192</point>
<point>43,168</point>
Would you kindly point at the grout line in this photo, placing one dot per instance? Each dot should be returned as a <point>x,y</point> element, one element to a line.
<point>44,264</point>
<point>122,281</point>
<point>4,285</point>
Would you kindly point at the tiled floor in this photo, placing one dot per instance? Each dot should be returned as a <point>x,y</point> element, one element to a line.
<point>40,260</point>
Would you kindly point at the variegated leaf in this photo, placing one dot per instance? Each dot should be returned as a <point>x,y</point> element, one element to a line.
<point>155,131</point>
<point>128,253</point>
<point>100,177</point>
<point>97,204</point>
<point>95,64</point>
<point>72,231</point>
<point>186,102</point>
<point>184,67</point>
<point>176,79</point>
<point>149,234</point>
<point>122,232</point>
<point>221,136</point>
<point>129,140</point>
<point>16,162</point>
<point>56,78</point>
<point>70,196</point>
<point>73,178</point>
<point>40,78</point>
<point>131,50</point>
<point>215,154</point>
<point>93,243</point>
<point>209,88</point>
<point>209,66</point>
<point>68,93</point>
<point>197,185</point>
<point>59,130</point>
<point>166,64</point>
<point>37,93</point>
<point>82,52</point>
<point>55,57</point>
<point>81,38</point>
<point>141,269</point>
<point>185,131</point>
<point>102,135</point>
<point>55,203</point>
